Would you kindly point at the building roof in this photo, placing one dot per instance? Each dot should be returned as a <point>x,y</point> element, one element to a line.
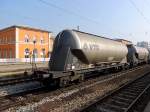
<point>25,27</point>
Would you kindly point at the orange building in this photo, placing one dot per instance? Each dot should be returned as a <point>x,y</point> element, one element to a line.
<point>20,43</point>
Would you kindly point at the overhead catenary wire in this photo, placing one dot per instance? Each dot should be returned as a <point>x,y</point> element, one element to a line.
<point>139,11</point>
<point>68,11</point>
<point>77,15</point>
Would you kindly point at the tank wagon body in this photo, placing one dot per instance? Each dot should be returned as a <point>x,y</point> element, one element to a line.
<point>142,53</point>
<point>72,47</point>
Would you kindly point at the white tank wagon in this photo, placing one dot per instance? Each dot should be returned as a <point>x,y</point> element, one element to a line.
<point>77,56</point>
<point>142,53</point>
<point>72,46</point>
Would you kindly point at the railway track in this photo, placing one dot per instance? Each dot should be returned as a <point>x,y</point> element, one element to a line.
<point>19,99</point>
<point>17,79</point>
<point>130,97</point>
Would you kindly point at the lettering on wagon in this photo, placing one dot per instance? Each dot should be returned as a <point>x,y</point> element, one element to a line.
<point>90,46</point>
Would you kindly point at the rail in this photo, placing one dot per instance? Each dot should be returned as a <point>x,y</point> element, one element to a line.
<point>124,99</point>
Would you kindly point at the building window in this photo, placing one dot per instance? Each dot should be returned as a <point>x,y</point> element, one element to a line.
<point>43,53</point>
<point>8,40</point>
<point>34,40</point>
<point>26,53</point>
<point>0,53</point>
<point>10,53</point>
<point>42,40</point>
<point>26,38</point>
<point>2,40</point>
<point>5,53</point>
<point>5,40</point>
<point>35,53</point>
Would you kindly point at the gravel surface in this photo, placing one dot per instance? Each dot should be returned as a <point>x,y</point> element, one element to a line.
<point>76,97</point>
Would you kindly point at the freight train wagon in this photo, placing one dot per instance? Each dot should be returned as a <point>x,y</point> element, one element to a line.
<point>77,54</point>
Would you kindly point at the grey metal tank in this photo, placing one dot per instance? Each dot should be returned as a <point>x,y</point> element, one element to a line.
<point>88,48</point>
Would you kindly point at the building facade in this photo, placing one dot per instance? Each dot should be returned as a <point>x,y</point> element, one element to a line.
<point>22,43</point>
<point>143,44</point>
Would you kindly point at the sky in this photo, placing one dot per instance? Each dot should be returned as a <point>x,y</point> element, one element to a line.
<point>127,19</point>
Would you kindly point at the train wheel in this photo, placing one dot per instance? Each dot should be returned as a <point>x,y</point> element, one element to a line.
<point>63,82</point>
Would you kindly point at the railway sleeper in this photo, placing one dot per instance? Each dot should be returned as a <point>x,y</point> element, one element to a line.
<point>122,99</point>
<point>109,108</point>
<point>129,93</point>
<point>132,90</point>
<point>141,98</point>
<point>124,96</point>
<point>139,84</point>
<point>127,96</point>
<point>136,89</point>
<point>118,102</point>
<point>141,81</point>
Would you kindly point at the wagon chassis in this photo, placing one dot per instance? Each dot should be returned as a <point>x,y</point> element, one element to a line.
<point>65,78</point>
